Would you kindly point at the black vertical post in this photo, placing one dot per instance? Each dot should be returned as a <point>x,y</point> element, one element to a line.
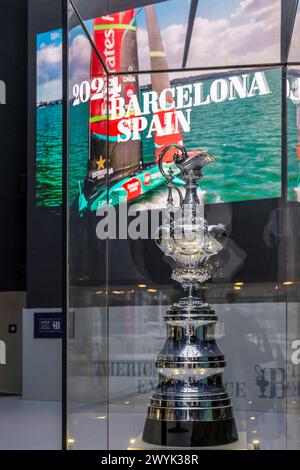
<point>191,21</point>
<point>65,218</point>
<point>286,35</point>
<point>284,176</point>
<point>284,134</point>
<point>288,16</point>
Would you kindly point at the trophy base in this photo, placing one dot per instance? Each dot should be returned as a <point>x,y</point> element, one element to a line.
<point>190,433</point>
<point>241,444</point>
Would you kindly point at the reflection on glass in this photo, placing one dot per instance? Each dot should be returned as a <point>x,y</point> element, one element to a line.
<point>87,316</point>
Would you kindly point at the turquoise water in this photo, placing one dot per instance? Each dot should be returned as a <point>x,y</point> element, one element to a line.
<point>49,153</point>
<point>49,156</point>
<point>293,164</point>
<point>244,135</point>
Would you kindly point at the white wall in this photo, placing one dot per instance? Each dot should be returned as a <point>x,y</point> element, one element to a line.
<point>11,305</point>
<point>42,362</point>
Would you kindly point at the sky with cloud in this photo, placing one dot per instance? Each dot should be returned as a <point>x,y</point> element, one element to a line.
<point>49,62</point>
<point>225,33</point>
<point>49,67</point>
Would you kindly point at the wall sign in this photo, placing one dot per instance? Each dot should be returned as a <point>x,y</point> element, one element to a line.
<point>12,328</point>
<point>48,325</point>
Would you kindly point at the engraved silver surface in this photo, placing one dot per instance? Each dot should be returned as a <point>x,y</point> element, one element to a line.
<point>190,363</point>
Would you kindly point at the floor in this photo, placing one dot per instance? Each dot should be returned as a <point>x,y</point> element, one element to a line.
<point>29,425</point>
<point>33,425</point>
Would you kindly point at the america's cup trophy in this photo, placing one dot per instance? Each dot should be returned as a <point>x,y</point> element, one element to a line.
<point>190,407</point>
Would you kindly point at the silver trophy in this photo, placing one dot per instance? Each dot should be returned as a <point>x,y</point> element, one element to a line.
<point>190,407</point>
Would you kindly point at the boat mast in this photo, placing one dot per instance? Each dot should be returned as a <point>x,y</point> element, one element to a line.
<point>160,81</point>
<point>158,59</point>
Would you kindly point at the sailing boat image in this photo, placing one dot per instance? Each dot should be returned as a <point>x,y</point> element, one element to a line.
<point>160,82</point>
<point>121,163</point>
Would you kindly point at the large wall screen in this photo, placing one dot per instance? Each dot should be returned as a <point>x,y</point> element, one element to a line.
<point>233,114</point>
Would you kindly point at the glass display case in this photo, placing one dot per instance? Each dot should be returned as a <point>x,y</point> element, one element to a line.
<point>219,78</point>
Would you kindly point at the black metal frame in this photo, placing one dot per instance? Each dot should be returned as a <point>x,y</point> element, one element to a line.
<point>288,15</point>
<point>65,220</point>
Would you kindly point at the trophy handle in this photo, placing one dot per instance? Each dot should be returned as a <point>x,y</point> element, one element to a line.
<point>172,186</point>
<point>170,176</point>
<point>163,153</point>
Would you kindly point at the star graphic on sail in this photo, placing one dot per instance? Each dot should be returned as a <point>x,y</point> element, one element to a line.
<point>101,163</point>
